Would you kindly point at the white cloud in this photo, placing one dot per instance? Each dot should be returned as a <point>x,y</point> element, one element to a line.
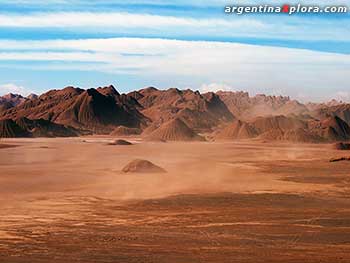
<point>116,19</point>
<point>56,56</point>
<point>213,87</point>
<point>342,96</point>
<point>287,27</point>
<point>168,2</point>
<point>257,69</point>
<point>13,88</point>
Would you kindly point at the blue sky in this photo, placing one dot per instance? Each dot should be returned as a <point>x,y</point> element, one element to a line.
<point>132,44</point>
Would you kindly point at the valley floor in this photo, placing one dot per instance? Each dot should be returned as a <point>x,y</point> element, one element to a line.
<point>66,200</point>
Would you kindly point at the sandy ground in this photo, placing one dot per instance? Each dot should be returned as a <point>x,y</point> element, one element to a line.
<point>66,200</point>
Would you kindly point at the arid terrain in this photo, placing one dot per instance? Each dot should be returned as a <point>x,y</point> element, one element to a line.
<point>174,131</point>
<point>173,176</point>
<point>68,200</point>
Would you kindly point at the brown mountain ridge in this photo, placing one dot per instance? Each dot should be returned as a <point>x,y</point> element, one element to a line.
<point>172,114</point>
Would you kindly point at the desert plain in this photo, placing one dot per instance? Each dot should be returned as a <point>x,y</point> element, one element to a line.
<point>68,200</point>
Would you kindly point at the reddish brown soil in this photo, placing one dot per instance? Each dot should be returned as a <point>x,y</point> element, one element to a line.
<point>218,202</point>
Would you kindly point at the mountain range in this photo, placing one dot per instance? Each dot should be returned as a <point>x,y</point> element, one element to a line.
<point>172,114</point>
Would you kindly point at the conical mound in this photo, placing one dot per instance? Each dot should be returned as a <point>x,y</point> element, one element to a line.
<point>142,166</point>
<point>272,135</point>
<point>247,131</point>
<point>295,135</point>
<point>266,124</point>
<point>237,130</point>
<point>151,128</point>
<point>10,129</point>
<point>174,130</point>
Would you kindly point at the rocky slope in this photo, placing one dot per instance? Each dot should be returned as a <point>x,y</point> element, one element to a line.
<point>97,110</point>
<point>197,111</point>
<point>245,107</point>
<point>24,127</point>
<point>173,114</point>
<point>174,130</point>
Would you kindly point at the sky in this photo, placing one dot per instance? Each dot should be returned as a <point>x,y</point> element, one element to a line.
<point>180,43</point>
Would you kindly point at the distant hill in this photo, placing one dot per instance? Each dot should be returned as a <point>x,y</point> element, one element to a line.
<point>12,100</point>
<point>173,114</point>
<point>174,130</point>
<point>98,110</point>
<point>198,111</point>
<point>24,127</point>
<point>245,107</point>
<point>284,128</point>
